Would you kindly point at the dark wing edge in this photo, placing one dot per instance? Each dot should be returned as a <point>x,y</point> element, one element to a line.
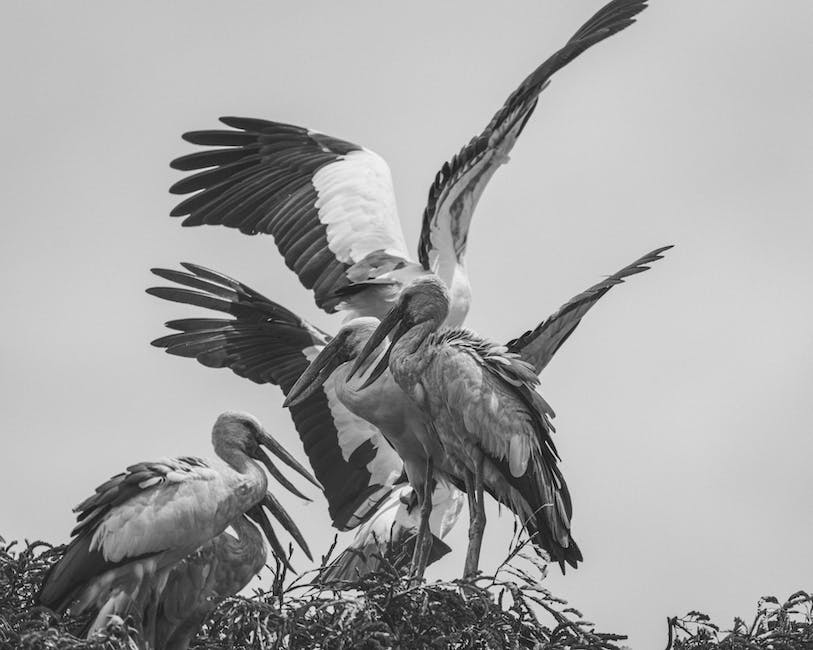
<point>460,182</point>
<point>537,346</point>
<point>292,183</point>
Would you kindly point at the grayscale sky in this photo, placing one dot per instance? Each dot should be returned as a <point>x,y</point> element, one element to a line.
<point>683,400</point>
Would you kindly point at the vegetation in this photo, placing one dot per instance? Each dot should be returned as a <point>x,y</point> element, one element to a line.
<point>383,610</point>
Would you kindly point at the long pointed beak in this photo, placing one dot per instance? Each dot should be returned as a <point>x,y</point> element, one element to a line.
<point>275,508</point>
<point>279,476</point>
<point>392,319</point>
<point>316,373</point>
<point>280,452</point>
<point>258,515</point>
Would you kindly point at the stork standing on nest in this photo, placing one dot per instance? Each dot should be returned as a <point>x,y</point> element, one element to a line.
<point>141,523</point>
<point>491,425</point>
<point>330,206</point>
<point>267,343</point>
<point>217,570</point>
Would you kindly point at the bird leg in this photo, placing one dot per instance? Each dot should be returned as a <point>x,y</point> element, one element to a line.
<point>150,624</point>
<point>423,539</point>
<point>477,517</point>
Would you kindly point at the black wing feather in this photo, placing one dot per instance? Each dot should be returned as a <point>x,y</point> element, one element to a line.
<point>261,183</point>
<point>264,342</point>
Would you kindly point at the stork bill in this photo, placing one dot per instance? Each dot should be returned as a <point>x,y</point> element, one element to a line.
<point>494,429</point>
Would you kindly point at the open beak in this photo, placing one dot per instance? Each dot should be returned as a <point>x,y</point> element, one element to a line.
<point>330,358</point>
<point>279,476</point>
<point>275,508</point>
<point>257,514</point>
<point>279,451</point>
<point>391,320</point>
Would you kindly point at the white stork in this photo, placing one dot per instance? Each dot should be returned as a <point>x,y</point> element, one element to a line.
<point>480,401</point>
<point>217,570</point>
<point>140,523</point>
<point>330,204</point>
<point>384,405</point>
<point>267,343</point>
<point>196,584</point>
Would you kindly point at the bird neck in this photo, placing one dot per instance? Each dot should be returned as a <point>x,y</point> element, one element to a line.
<point>247,473</point>
<point>245,554</point>
<point>235,457</point>
<point>406,360</point>
<point>249,538</point>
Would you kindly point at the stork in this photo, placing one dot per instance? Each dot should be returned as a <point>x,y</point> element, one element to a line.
<point>330,204</point>
<point>385,406</point>
<point>218,569</point>
<point>139,524</point>
<point>480,401</point>
<point>266,343</point>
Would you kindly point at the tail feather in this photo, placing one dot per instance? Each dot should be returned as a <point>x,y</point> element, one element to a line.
<point>354,563</point>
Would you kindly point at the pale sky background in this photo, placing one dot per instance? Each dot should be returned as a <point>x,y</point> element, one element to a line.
<point>684,399</point>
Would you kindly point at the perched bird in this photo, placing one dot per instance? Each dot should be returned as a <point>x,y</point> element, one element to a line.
<point>384,405</point>
<point>264,342</point>
<point>492,427</point>
<point>330,204</point>
<point>267,343</point>
<point>218,569</point>
<point>139,524</point>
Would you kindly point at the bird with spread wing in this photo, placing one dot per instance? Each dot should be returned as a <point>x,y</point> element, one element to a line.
<point>329,205</point>
<point>266,343</point>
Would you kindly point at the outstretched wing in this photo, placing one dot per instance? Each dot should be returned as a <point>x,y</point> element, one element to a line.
<point>537,346</point>
<point>266,343</point>
<point>461,181</point>
<point>328,203</point>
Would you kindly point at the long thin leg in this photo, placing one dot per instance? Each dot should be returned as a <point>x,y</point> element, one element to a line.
<point>471,496</point>
<point>477,514</point>
<point>423,539</point>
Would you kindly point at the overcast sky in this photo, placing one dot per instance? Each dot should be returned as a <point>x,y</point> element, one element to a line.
<point>683,401</point>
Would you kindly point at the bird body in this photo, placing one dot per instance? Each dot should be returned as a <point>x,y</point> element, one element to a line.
<point>218,569</point>
<point>383,405</point>
<point>263,341</point>
<point>139,524</point>
<point>493,428</point>
<point>329,204</point>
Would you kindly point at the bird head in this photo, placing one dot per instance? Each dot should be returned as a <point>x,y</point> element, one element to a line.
<point>235,431</point>
<point>342,348</point>
<point>425,300</point>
